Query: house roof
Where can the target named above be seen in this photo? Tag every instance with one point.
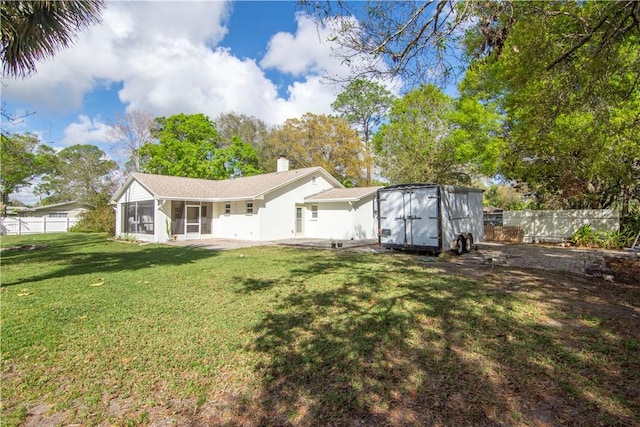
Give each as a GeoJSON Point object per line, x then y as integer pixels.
{"type": "Point", "coordinates": [59, 205]}
{"type": "Point", "coordinates": [244, 188]}
{"type": "Point", "coordinates": [342, 194]}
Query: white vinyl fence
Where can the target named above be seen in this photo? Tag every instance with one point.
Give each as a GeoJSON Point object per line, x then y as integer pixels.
{"type": "Point", "coordinates": [555, 226]}
{"type": "Point", "coordinates": [19, 226]}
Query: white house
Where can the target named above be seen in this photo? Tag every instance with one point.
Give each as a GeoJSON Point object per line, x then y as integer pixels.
{"type": "Point", "coordinates": [70, 209]}
{"type": "Point", "coordinates": [305, 202]}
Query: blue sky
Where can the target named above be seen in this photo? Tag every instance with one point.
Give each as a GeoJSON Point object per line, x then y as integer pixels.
{"type": "Point", "coordinates": [261, 58]}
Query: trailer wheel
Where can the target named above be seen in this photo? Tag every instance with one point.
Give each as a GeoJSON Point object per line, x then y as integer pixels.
{"type": "Point", "coordinates": [460, 245]}
{"type": "Point", "coordinates": [469, 243]}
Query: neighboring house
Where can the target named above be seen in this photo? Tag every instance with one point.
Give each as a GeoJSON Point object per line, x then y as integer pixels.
{"type": "Point", "coordinates": [56, 218]}
{"type": "Point", "coordinates": [305, 202]}
{"type": "Point", "coordinates": [59, 210]}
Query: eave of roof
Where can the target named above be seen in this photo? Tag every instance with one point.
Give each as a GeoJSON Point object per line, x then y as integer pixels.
{"type": "Point", "coordinates": [56, 205]}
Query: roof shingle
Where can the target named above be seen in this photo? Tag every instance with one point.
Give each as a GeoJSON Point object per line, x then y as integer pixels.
{"type": "Point", "coordinates": [174, 187]}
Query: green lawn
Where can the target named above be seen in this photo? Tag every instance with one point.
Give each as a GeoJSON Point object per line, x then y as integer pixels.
{"type": "Point", "coordinates": [98, 332]}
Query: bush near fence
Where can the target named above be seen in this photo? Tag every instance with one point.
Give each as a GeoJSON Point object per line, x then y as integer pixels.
{"type": "Point", "coordinates": [499, 233]}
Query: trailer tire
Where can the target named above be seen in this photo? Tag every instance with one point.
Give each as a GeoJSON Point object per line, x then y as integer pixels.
{"type": "Point", "coordinates": [461, 243]}
{"type": "Point", "coordinates": [468, 247]}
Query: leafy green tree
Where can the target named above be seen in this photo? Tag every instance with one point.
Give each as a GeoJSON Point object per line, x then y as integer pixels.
{"type": "Point", "coordinates": [186, 146]}
{"type": "Point", "coordinates": [432, 138]}
{"type": "Point", "coordinates": [235, 160]}
{"type": "Point", "coordinates": [364, 104]}
{"type": "Point", "coordinates": [319, 140]}
{"type": "Point", "coordinates": [504, 196]}
{"type": "Point", "coordinates": [250, 130]}
{"type": "Point", "coordinates": [412, 146]}
{"type": "Point", "coordinates": [35, 29]}
{"type": "Point", "coordinates": [190, 145]}
{"type": "Point", "coordinates": [22, 158]}
{"type": "Point", "coordinates": [565, 82]}
{"type": "Point", "coordinates": [82, 173]}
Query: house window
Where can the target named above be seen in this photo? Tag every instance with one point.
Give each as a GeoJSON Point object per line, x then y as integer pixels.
{"type": "Point", "coordinates": [227, 208]}
{"type": "Point", "coordinates": [314, 211]}
{"type": "Point", "coordinates": [57, 215]}
{"type": "Point", "coordinates": [138, 217]}
{"type": "Point", "coordinates": [249, 207]}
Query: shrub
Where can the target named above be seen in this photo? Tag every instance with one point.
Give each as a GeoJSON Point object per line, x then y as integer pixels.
{"type": "Point", "coordinates": [586, 236]}
{"type": "Point", "coordinates": [101, 219]}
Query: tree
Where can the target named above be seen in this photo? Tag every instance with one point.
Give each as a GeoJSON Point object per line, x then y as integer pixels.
{"type": "Point", "coordinates": [190, 145]}
{"type": "Point", "coordinates": [566, 83]}
{"type": "Point", "coordinates": [409, 39]}
{"type": "Point", "coordinates": [431, 137]}
{"type": "Point", "coordinates": [364, 104]}
{"type": "Point", "coordinates": [235, 160]}
{"type": "Point", "coordinates": [130, 132]}
{"type": "Point", "coordinates": [412, 146]}
{"type": "Point", "coordinates": [250, 130]}
{"type": "Point", "coordinates": [22, 158]}
{"type": "Point", "coordinates": [419, 41]}
{"type": "Point", "coordinates": [319, 140]}
{"type": "Point", "coordinates": [503, 196]}
{"type": "Point", "coordinates": [36, 29]}
{"type": "Point", "coordinates": [82, 173]}
{"type": "Point", "coordinates": [186, 147]}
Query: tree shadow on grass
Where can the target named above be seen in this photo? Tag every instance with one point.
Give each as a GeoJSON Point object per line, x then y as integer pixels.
{"type": "Point", "coordinates": [411, 345]}
{"type": "Point", "coordinates": [90, 254]}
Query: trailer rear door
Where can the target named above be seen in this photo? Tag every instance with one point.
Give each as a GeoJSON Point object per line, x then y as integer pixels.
{"type": "Point", "coordinates": [409, 217]}
{"type": "Point", "coordinates": [392, 217]}
{"type": "Point", "coordinates": [421, 205]}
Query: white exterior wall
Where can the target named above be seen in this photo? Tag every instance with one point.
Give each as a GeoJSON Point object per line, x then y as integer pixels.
{"type": "Point", "coordinates": [71, 213]}
{"type": "Point", "coordinates": [238, 224]}
{"type": "Point", "coordinates": [278, 216]}
{"type": "Point", "coordinates": [554, 226]}
{"type": "Point", "coordinates": [342, 220]}
{"type": "Point", "coordinates": [135, 193]}
{"type": "Point", "coordinates": [335, 221]}
{"type": "Point", "coordinates": [365, 222]}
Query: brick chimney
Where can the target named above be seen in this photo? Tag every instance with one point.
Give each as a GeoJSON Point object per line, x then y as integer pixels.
{"type": "Point", "coordinates": [283, 164]}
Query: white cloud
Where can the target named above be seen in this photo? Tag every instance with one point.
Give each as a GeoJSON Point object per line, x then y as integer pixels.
{"type": "Point", "coordinates": [167, 60]}
{"type": "Point", "coordinates": [306, 52]}
{"type": "Point", "coordinates": [86, 131]}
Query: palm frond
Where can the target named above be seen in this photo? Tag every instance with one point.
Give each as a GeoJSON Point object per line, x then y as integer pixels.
{"type": "Point", "coordinates": [36, 29]}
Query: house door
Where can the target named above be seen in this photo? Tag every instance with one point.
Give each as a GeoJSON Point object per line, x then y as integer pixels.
{"type": "Point", "coordinates": [299, 221]}
{"type": "Point", "coordinates": [192, 225]}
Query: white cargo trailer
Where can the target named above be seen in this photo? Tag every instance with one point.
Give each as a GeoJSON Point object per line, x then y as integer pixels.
{"type": "Point", "coordinates": [430, 217]}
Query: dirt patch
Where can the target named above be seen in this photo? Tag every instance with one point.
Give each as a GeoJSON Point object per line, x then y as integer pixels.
{"type": "Point", "coordinates": [625, 270]}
